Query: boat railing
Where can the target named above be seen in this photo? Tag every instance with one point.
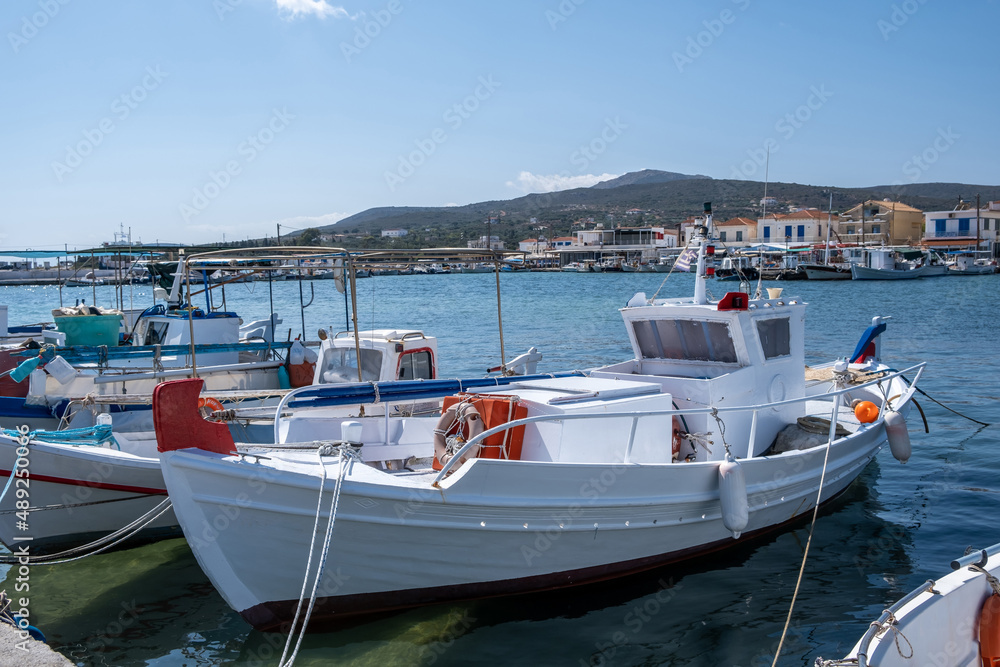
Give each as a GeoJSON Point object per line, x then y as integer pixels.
{"type": "Point", "coordinates": [888, 616]}
{"type": "Point", "coordinates": [635, 416]}
{"type": "Point", "coordinates": [978, 557]}
{"type": "Point", "coordinates": [83, 354]}
{"type": "Point", "coordinates": [391, 392]}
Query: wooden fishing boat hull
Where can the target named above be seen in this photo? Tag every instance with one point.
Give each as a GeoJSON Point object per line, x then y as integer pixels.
{"type": "Point", "coordinates": [865, 273]}
{"type": "Point", "coordinates": [826, 272]}
{"type": "Point", "coordinates": [76, 493]}
{"type": "Point", "coordinates": [495, 527]}
{"type": "Point", "coordinates": [977, 270]}
{"type": "Point", "coordinates": [940, 622]}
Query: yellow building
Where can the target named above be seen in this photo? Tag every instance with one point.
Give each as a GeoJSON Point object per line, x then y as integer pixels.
{"type": "Point", "coordinates": [888, 222]}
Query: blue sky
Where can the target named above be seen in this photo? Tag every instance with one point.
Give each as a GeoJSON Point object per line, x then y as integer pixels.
{"type": "Point", "coordinates": [189, 121]}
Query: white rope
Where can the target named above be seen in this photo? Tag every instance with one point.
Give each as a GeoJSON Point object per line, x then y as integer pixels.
{"type": "Point", "coordinates": [346, 454]}
{"type": "Point", "coordinates": [106, 542]}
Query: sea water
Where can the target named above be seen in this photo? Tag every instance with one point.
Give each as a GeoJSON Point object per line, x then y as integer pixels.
{"type": "Point", "coordinates": [894, 528]}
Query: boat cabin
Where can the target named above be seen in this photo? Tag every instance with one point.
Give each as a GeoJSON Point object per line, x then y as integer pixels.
{"type": "Point", "coordinates": [731, 352]}
{"type": "Point", "coordinates": [386, 354]}
{"type": "Point", "coordinates": [174, 327]}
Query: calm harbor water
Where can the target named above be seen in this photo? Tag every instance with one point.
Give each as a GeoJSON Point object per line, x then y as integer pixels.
{"type": "Point", "coordinates": [897, 526]}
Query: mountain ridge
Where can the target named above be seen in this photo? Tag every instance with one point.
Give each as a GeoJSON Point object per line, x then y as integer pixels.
{"type": "Point", "coordinates": [646, 197]}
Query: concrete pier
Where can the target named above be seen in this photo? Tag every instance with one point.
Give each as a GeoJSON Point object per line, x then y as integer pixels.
{"type": "Point", "coordinates": [12, 651]}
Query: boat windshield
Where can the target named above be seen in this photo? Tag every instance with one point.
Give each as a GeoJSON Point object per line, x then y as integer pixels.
{"type": "Point", "coordinates": [775, 337]}
{"type": "Point", "coordinates": [691, 340]}
{"type": "Point", "coordinates": [340, 365]}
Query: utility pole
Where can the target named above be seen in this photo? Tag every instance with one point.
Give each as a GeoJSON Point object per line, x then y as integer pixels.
{"type": "Point", "coordinates": [977, 223]}
{"type": "Point", "coordinates": [279, 232]}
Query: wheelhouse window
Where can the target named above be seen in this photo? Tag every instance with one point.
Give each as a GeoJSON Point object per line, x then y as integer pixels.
{"type": "Point", "coordinates": [416, 365]}
{"type": "Point", "coordinates": [340, 364]}
{"type": "Point", "coordinates": [691, 340]}
{"type": "Point", "coordinates": [774, 337]}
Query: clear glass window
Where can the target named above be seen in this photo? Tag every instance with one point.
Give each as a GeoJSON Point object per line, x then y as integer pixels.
{"type": "Point", "coordinates": [775, 337]}
{"type": "Point", "coordinates": [690, 340]}
{"type": "Point", "coordinates": [340, 365]}
{"type": "Point", "coordinates": [416, 366]}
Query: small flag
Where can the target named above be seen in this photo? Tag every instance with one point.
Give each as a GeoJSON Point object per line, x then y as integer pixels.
{"type": "Point", "coordinates": [684, 260]}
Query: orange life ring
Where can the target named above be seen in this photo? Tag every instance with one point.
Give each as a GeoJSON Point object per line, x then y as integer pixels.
{"type": "Point", "coordinates": [209, 404]}
{"type": "Point", "coordinates": [458, 424]}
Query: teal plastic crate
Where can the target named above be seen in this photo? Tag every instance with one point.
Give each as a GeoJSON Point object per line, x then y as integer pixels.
{"type": "Point", "coordinates": [90, 329]}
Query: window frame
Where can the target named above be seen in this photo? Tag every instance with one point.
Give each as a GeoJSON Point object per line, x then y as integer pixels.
{"type": "Point", "coordinates": [649, 334]}
{"type": "Point", "coordinates": [420, 350]}
{"type": "Point", "coordinates": [760, 339]}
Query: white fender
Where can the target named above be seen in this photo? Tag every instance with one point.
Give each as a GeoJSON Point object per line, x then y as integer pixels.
{"type": "Point", "coordinates": [899, 437]}
{"type": "Point", "coordinates": [733, 495]}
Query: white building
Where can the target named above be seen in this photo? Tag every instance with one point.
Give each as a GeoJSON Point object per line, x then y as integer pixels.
{"type": "Point", "coordinates": [538, 245]}
{"type": "Point", "coordinates": [394, 233]}
{"type": "Point", "coordinates": [960, 227]}
{"type": "Point", "coordinates": [490, 242]}
{"type": "Point", "coordinates": [736, 232]}
{"type": "Point", "coordinates": [805, 226]}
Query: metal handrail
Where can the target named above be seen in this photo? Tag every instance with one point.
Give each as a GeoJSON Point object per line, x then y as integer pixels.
{"type": "Point", "coordinates": [473, 442]}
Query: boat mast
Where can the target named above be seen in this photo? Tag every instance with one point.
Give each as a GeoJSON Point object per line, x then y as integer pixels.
{"type": "Point", "coordinates": [977, 223]}
{"type": "Point", "coordinates": [829, 224]}
{"type": "Point", "coordinates": [705, 233]}
{"type": "Point", "coordinates": [763, 216]}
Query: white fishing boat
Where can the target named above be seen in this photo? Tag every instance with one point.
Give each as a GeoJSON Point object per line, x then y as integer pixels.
{"type": "Point", "coordinates": [713, 432]}
{"type": "Point", "coordinates": [88, 482]}
{"type": "Point", "coordinates": [103, 474]}
{"type": "Point", "coordinates": [971, 263]}
{"type": "Point", "coordinates": [574, 267]}
{"type": "Point", "coordinates": [951, 622]}
{"type": "Point", "coordinates": [886, 264]}
{"type": "Point", "coordinates": [663, 264]}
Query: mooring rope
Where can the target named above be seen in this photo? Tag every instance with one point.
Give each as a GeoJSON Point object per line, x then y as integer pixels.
{"type": "Point", "coordinates": [805, 554]}
{"type": "Point", "coordinates": [346, 455]}
{"type": "Point", "coordinates": [101, 544]}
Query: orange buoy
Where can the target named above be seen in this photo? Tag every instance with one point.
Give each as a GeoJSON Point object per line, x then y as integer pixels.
{"type": "Point", "coordinates": [866, 412]}
{"type": "Point", "coordinates": [989, 631]}
{"type": "Point", "coordinates": [210, 404]}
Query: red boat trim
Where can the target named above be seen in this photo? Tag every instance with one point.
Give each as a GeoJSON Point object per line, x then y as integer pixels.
{"type": "Point", "coordinates": [329, 612]}
{"type": "Point", "coordinates": [92, 485]}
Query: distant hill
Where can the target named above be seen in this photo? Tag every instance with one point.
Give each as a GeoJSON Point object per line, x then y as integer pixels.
{"type": "Point", "coordinates": [646, 197]}
{"type": "Point", "coordinates": [644, 177]}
